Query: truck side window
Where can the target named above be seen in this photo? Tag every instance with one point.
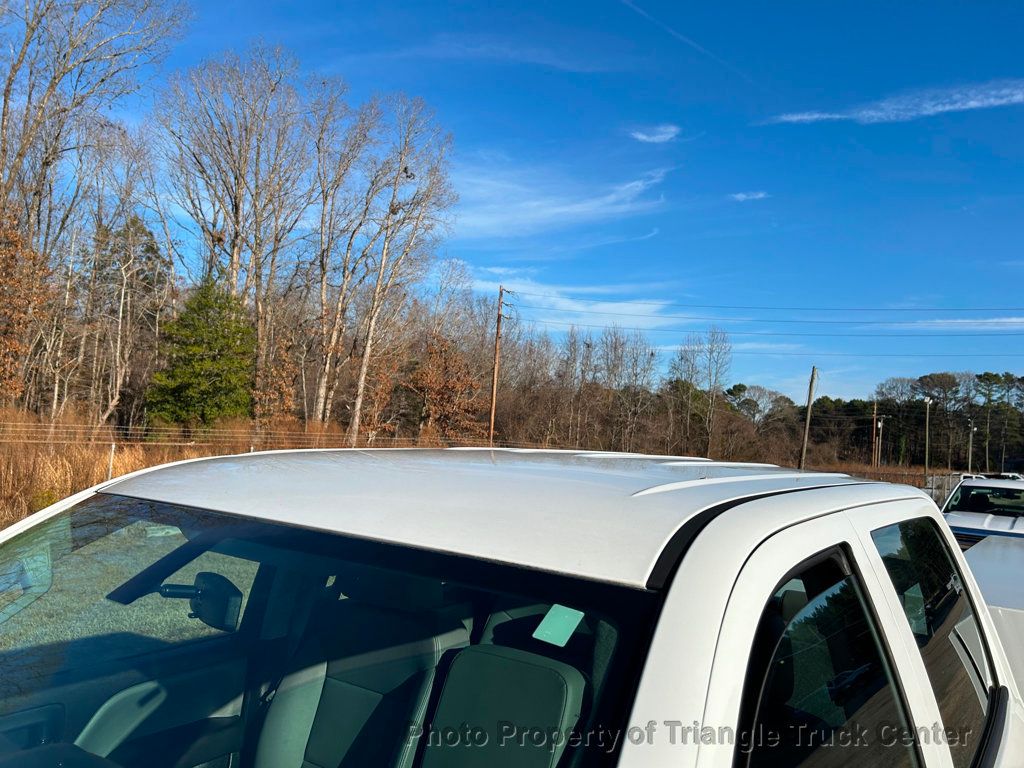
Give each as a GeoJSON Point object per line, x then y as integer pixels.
{"type": "Point", "coordinates": [818, 687]}
{"type": "Point", "coordinates": [942, 620]}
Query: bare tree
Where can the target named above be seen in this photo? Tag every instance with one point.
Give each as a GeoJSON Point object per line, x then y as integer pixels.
{"type": "Point", "coordinates": [626, 364]}
{"type": "Point", "coordinates": [343, 210]}
{"type": "Point", "coordinates": [415, 193]}
{"type": "Point", "coordinates": [575, 373]}
{"type": "Point", "coordinates": [715, 359]}
{"type": "Point", "coordinates": [237, 160]}
{"type": "Point", "coordinates": [685, 387]}
{"type": "Point", "coordinates": [66, 59]}
{"type": "Point", "coordinates": [132, 276]}
{"type": "Point", "coordinates": [225, 121]}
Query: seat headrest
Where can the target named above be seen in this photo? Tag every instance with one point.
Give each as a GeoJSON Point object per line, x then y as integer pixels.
{"type": "Point", "coordinates": [508, 693]}
{"type": "Point", "coordinates": [390, 589]}
{"type": "Point", "coordinates": [978, 501]}
{"type": "Point", "coordinates": [793, 601]}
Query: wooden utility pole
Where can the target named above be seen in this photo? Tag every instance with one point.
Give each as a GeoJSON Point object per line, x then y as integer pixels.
{"type": "Point", "coordinates": [497, 360]}
{"type": "Point", "coordinates": [807, 421]}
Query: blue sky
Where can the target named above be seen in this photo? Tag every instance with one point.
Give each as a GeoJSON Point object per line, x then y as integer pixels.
{"type": "Point", "coordinates": [648, 163]}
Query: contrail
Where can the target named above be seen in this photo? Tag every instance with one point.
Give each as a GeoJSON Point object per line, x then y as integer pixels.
{"type": "Point", "coordinates": [687, 41]}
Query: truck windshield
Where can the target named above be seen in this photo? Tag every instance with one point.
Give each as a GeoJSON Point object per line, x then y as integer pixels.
{"type": "Point", "coordinates": [132, 628]}
{"type": "Point", "coordinates": [988, 500]}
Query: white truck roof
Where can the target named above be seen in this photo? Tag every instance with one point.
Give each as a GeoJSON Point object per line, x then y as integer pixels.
{"type": "Point", "coordinates": [594, 515]}
{"type": "Point", "coordinates": [986, 482]}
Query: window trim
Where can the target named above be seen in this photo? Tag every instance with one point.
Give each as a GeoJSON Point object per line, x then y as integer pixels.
{"type": "Point", "coordinates": [672, 554]}
{"type": "Point", "coordinates": [995, 724]}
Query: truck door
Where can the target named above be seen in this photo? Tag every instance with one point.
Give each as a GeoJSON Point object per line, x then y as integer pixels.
{"type": "Point", "coordinates": [812, 668]}
{"type": "Point", "coordinates": [943, 623]}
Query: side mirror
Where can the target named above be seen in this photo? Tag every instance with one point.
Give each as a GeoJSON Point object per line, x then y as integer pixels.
{"type": "Point", "coordinates": [213, 599]}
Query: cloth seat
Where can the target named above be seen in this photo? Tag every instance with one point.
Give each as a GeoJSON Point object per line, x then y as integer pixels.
{"type": "Point", "coordinates": [363, 676]}
{"type": "Point", "coordinates": [524, 703]}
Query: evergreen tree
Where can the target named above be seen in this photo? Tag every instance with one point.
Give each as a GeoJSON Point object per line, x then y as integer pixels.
{"type": "Point", "coordinates": [210, 349]}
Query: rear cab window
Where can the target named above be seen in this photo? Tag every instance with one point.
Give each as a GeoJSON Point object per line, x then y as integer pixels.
{"type": "Point", "coordinates": [943, 622]}
{"type": "Point", "coordinates": [987, 500]}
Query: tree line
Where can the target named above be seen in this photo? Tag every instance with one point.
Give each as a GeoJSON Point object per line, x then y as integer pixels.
{"type": "Point", "coordinates": [259, 246]}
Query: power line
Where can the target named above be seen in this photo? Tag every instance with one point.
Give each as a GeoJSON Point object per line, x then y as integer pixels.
{"type": "Point", "coordinates": [787, 321]}
{"type": "Point", "coordinates": [779, 308]}
{"type": "Point", "coordinates": [937, 335]}
{"type": "Point", "coordinates": [791, 353]}
{"type": "Point", "coordinates": [869, 354]}
{"type": "Point", "coordinates": [567, 324]}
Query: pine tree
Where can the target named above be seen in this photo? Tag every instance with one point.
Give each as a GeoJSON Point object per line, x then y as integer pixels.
{"type": "Point", "coordinates": [210, 349]}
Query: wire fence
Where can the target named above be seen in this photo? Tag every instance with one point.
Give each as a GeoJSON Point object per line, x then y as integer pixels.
{"type": "Point", "coordinates": [938, 485]}
{"type": "Point", "coordinates": [252, 438]}
{"type": "Point", "coordinates": [247, 438]}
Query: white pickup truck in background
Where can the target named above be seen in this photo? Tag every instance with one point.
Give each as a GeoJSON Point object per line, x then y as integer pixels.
{"type": "Point", "coordinates": [986, 516]}
{"type": "Point", "coordinates": [980, 507]}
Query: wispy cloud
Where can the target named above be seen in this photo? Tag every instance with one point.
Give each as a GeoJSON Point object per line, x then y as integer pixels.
{"type": "Point", "coordinates": [914, 105]}
{"type": "Point", "coordinates": [842, 381]}
{"type": "Point", "coordinates": [685, 40]}
{"type": "Point", "coordinates": [963, 324]}
{"type": "Point", "coordinates": [498, 199]}
{"type": "Point", "coordinates": [742, 197]}
{"type": "Point", "coordinates": [658, 134]}
{"type": "Point", "coordinates": [760, 347]}
{"type": "Point", "coordinates": [574, 245]}
{"type": "Point", "coordinates": [765, 346]}
{"type": "Point", "coordinates": [500, 50]}
{"type": "Point", "coordinates": [547, 304]}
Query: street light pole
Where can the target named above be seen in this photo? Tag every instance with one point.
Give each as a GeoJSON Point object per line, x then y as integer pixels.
{"type": "Point", "coordinates": [881, 427]}
{"type": "Point", "coordinates": [970, 444]}
{"type": "Point", "coordinates": [927, 428]}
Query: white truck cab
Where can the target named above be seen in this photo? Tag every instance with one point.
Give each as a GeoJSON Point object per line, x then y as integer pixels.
{"type": "Point", "coordinates": [449, 608]}
{"type": "Point", "coordinates": [981, 507]}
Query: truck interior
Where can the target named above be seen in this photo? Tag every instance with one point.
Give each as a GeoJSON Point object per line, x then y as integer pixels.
{"type": "Point", "coordinates": [181, 638]}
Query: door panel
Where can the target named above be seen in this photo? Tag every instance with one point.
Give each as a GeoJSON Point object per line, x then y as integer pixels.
{"type": "Point", "coordinates": [164, 706]}
{"type": "Point", "coordinates": [177, 703]}
{"type": "Point", "coordinates": [767, 565]}
{"type": "Point", "coordinates": [1005, 727]}
{"type": "Point", "coordinates": [209, 743]}
{"type": "Point", "coordinates": [31, 727]}
{"type": "Point", "coordinates": [92, 656]}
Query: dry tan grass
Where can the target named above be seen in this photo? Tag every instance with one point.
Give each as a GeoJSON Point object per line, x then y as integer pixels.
{"type": "Point", "coordinates": [913, 475]}
{"type": "Point", "coordinates": [38, 469]}
{"type": "Point", "coordinates": [33, 476]}
{"type": "Point", "coordinates": [42, 463]}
